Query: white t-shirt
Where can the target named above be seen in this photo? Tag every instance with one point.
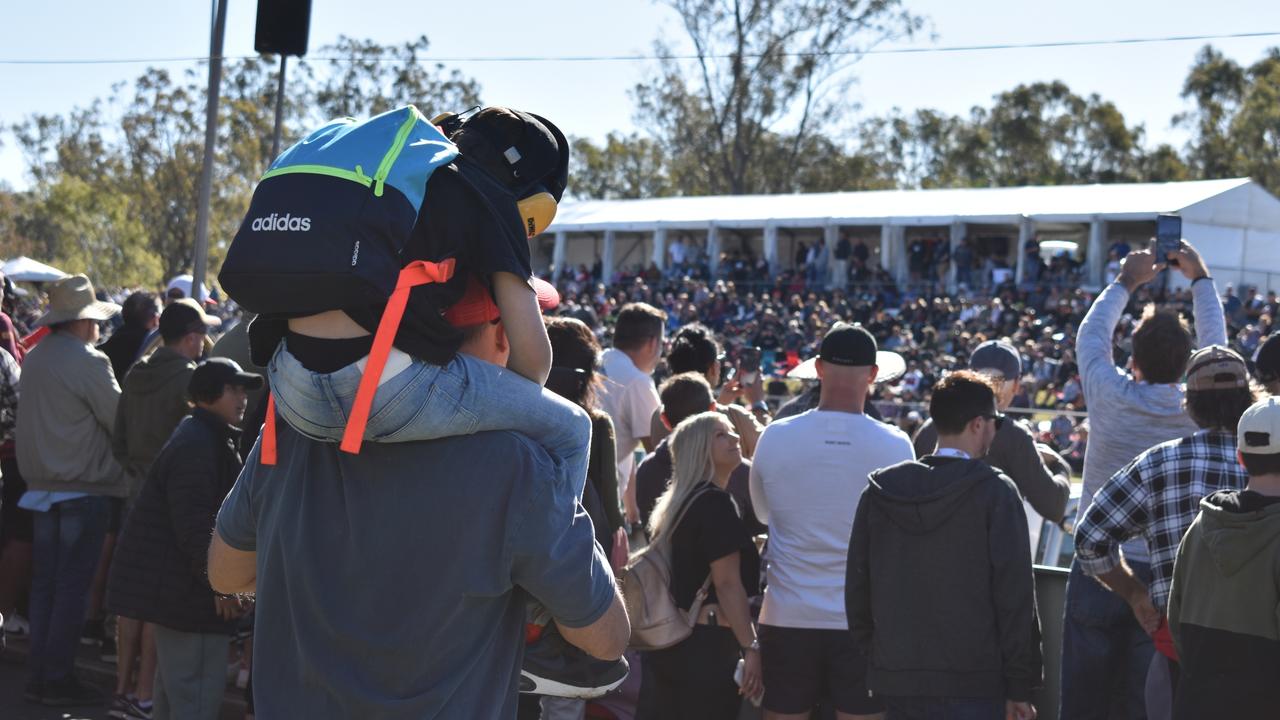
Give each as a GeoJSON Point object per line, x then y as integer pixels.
{"type": "Point", "coordinates": [630, 398]}
{"type": "Point", "coordinates": [807, 476]}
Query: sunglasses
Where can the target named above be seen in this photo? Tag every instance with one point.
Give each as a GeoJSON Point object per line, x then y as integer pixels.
{"type": "Point", "coordinates": [997, 418]}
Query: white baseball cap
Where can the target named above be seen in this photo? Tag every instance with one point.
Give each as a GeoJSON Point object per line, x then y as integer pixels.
{"type": "Point", "coordinates": [1259, 430]}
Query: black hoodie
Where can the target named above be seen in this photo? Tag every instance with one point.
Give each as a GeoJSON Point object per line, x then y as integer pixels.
{"type": "Point", "coordinates": [939, 589]}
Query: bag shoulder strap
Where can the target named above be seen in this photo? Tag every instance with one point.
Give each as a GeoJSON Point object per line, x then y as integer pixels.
{"type": "Point", "coordinates": [701, 595]}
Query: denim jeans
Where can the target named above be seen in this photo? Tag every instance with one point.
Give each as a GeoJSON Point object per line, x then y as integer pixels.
{"type": "Point", "coordinates": [1105, 652]}
{"type": "Point", "coordinates": [421, 401]}
{"type": "Point", "coordinates": [931, 708]}
{"type": "Point", "coordinates": [64, 555]}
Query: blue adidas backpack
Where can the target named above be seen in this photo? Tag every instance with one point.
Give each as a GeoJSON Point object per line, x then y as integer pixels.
{"type": "Point", "coordinates": [330, 218]}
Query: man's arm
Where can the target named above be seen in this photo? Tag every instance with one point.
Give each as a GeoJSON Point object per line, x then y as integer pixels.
{"type": "Point", "coordinates": [605, 638]}
{"type": "Point", "coordinates": [233, 552]}
{"type": "Point", "coordinates": [642, 401]}
{"type": "Point", "coordinates": [1014, 595]}
{"type": "Point", "coordinates": [231, 570]}
{"type": "Point", "coordinates": [100, 390]}
{"type": "Point", "coordinates": [1119, 513]}
{"type": "Point", "coordinates": [193, 501]}
{"type": "Point", "coordinates": [1098, 371]}
{"type": "Point", "coordinates": [555, 558]}
{"type": "Point", "coordinates": [1046, 491]}
{"type": "Point", "coordinates": [857, 578]}
{"type": "Point", "coordinates": [119, 436]}
{"type": "Point", "coordinates": [755, 487]}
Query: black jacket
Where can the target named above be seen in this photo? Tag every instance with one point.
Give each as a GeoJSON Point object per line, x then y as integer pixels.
{"type": "Point", "coordinates": [939, 587]}
{"type": "Point", "coordinates": [160, 571]}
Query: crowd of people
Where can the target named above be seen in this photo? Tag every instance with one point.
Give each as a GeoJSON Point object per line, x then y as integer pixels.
{"type": "Point", "coordinates": [808, 496]}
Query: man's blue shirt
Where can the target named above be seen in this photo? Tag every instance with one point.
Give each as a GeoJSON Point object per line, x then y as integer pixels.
{"type": "Point", "coordinates": [393, 583]}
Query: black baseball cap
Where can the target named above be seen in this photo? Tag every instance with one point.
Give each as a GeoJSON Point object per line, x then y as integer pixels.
{"type": "Point", "coordinates": [185, 316]}
{"type": "Point", "coordinates": [849, 345]}
{"type": "Point", "coordinates": [212, 375]}
{"type": "Point", "coordinates": [1266, 361]}
{"type": "Point", "coordinates": [997, 356]}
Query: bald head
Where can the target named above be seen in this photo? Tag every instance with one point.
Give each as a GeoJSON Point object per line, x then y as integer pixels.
{"type": "Point", "coordinates": [844, 387]}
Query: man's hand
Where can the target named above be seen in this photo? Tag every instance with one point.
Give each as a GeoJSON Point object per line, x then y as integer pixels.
{"type": "Point", "coordinates": [729, 392]}
{"type": "Point", "coordinates": [1189, 262]}
{"type": "Point", "coordinates": [1144, 611]}
{"type": "Point", "coordinates": [752, 675]}
{"type": "Point", "coordinates": [1138, 268]}
{"type": "Point", "coordinates": [1019, 710]}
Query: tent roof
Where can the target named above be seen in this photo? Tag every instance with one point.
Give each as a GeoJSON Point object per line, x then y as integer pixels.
{"type": "Point", "coordinates": [1067, 203]}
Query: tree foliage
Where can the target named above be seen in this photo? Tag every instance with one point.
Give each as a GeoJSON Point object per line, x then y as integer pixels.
{"type": "Point", "coordinates": [114, 183]}
{"type": "Point", "coordinates": [766, 79]}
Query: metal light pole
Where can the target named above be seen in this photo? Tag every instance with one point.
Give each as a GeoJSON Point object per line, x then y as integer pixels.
{"type": "Point", "coordinates": [210, 142]}
{"type": "Point", "coordinates": [275, 135]}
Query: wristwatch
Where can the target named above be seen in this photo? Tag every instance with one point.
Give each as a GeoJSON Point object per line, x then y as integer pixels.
{"type": "Point", "coordinates": [755, 645]}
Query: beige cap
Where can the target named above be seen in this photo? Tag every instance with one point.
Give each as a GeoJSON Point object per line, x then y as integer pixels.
{"type": "Point", "coordinates": [1259, 430]}
{"type": "Point", "coordinates": [72, 298]}
{"type": "Point", "coordinates": [1216, 368]}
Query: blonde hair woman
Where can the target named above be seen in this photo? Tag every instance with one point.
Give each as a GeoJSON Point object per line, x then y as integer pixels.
{"type": "Point", "coordinates": [709, 545]}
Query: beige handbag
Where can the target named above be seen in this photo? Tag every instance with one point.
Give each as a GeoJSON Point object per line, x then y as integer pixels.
{"type": "Point", "coordinates": [656, 621]}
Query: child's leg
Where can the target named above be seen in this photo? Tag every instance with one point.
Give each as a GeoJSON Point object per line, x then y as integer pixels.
{"type": "Point", "coordinates": [423, 402]}
{"type": "Point", "coordinates": [415, 400]}
{"type": "Point", "coordinates": [503, 400]}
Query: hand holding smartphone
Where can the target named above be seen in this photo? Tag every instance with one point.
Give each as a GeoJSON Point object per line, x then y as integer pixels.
{"type": "Point", "coordinates": [1168, 237]}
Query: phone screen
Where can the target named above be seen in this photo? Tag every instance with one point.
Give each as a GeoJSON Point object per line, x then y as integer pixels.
{"type": "Point", "coordinates": [749, 361]}
{"type": "Point", "coordinates": [1168, 235]}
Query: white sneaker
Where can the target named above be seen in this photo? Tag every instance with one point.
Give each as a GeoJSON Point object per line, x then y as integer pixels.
{"type": "Point", "coordinates": [15, 624]}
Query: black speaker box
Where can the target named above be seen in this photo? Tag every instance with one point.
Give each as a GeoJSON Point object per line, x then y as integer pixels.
{"type": "Point", "coordinates": [283, 26]}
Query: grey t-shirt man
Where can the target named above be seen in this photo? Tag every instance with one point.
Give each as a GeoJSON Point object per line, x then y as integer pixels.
{"type": "Point", "coordinates": [393, 583]}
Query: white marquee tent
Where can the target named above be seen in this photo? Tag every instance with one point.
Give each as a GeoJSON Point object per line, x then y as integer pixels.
{"type": "Point", "coordinates": [1235, 223]}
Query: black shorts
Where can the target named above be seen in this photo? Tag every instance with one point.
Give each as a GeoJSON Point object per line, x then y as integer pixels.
{"type": "Point", "coordinates": [15, 523]}
{"type": "Point", "coordinates": [805, 667]}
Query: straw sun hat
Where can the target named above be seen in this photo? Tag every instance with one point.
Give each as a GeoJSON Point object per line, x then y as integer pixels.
{"type": "Point", "coordinates": [72, 298]}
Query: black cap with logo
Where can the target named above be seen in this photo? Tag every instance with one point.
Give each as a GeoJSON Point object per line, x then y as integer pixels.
{"type": "Point", "coordinates": [214, 374]}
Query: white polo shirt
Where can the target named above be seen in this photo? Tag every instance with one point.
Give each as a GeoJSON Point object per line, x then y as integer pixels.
{"type": "Point", "coordinates": [807, 476]}
{"type": "Point", "coordinates": [630, 398]}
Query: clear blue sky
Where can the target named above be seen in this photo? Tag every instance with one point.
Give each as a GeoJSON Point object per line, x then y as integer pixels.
{"type": "Point", "coordinates": [592, 99]}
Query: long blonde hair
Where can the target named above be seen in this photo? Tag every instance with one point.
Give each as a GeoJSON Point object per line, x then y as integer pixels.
{"type": "Point", "coordinates": [691, 465]}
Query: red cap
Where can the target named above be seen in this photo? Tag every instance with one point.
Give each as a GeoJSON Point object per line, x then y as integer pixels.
{"type": "Point", "coordinates": [477, 306]}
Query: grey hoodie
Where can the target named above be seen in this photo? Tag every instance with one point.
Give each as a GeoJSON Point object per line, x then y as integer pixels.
{"type": "Point", "coordinates": [938, 587]}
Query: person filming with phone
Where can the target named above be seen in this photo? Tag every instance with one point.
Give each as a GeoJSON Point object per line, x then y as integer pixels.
{"type": "Point", "coordinates": [1106, 653]}
{"type": "Point", "coordinates": [694, 349]}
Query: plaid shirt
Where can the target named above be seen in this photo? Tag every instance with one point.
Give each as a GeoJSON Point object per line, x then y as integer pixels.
{"type": "Point", "coordinates": [1156, 497]}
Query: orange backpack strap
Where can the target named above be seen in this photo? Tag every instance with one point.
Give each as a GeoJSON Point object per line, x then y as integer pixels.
{"type": "Point", "coordinates": [414, 274]}
{"type": "Point", "coordinates": [267, 453]}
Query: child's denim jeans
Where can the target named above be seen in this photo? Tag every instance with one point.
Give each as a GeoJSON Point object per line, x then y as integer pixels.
{"type": "Point", "coordinates": [421, 401]}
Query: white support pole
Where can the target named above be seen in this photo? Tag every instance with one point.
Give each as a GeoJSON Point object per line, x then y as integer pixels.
{"type": "Point", "coordinates": [1024, 235]}
{"type": "Point", "coordinates": [771, 247]}
{"type": "Point", "coordinates": [831, 236]}
{"type": "Point", "coordinates": [713, 249]}
{"type": "Point", "coordinates": [558, 254]}
{"type": "Point", "coordinates": [958, 230]}
{"type": "Point", "coordinates": [606, 260]}
{"type": "Point", "coordinates": [660, 248]}
{"type": "Point", "coordinates": [1096, 254]}
{"type": "Point", "coordinates": [886, 248]}
{"type": "Point", "coordinates": [901, 271]}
